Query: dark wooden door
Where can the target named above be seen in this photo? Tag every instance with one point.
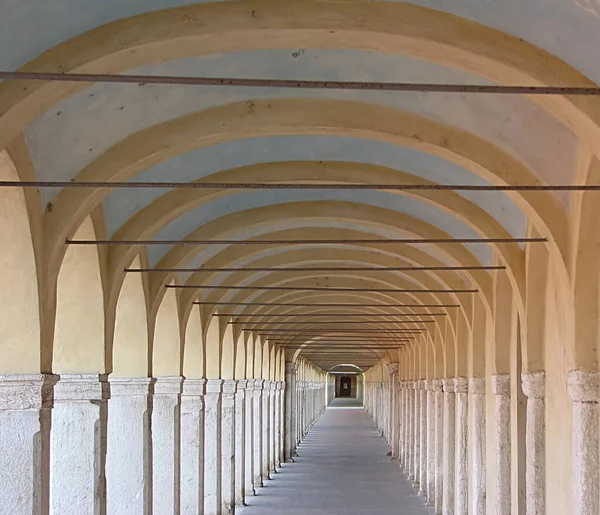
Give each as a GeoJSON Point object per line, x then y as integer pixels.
{"type": "Point", "coordinates": [345, 386]}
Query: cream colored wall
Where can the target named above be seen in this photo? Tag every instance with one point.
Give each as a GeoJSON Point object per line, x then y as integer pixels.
{"type": "Point", "coordinates": [19, 312]}
{"type": "Point", "coordinates": [166, 347]}
{"type": "Point", "coordinates": [194, 351]}
{"type": "Point", "coordinates": [79, 323]}
{"type": "Point", "coordinates": [130, 341]}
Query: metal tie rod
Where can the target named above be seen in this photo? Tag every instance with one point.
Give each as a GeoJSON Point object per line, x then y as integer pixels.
{"type": "Point", "coordinates": [298, 84]}
{"type": "Point", "coordinates": [316, 288]}
{"type": "Point", "coordinates": [321, 315]}
{"type": "Point", "coordinates": [386, 241]}
{"type": "Point", "coordinates": [294, 186]}
{"type": "Point", "coordinates": [319, 269]}
{"type": "Point", "coordinates": [324, 305]}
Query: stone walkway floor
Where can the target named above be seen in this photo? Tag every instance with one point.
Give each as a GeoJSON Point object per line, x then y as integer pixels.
{"type": "Point", "coordinates": [342, 468]}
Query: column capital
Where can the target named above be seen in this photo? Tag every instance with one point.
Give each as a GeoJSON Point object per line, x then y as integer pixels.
{"type": "Point", "coordinates": [193, 387]}
{"type": "Point", "coordinates": [129, 386]}
{"type": "Point", "coordinates": [392, 368]}
{"type": "Point", "coordinates": [167, 385]}
{"type": "Point", "coordinates": [461, 385]}
{"type": "Point", "coordinates": [501, 384]}
{"type": "Point", "coordinates": [583, 385]}
{"type": "Point", "coordinates": [534, 384]}
{"type": "Point", "coordinates": [259, 384]}
{"type": "Point", "coordinates": [214, 386]}
{"type": "Point", "coordinates": [437, 385]}
{"type": "Point", "coordinates": [229, 386]}
{"type": "Point", "coordinates": [81, 387]}
{"type": "Point", "coordinates": [242, 384]}
{"type": "Point", "coordinates": [291, 367]}
{"type": "Point", "coordinates": [448, 385]}
{"type": "Point", "coordinates": [477, 385]}
{"type": "Point", "coordinates": [23, 392]}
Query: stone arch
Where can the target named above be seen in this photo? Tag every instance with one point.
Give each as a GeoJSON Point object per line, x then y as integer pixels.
{"type": "Point", "coordinates": [20, 314]}
{"type": "Point", "coordinates": [79, 324]}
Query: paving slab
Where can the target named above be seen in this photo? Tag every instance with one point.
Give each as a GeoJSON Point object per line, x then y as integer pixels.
{"type": "Point", "coordinates": [342, 468]}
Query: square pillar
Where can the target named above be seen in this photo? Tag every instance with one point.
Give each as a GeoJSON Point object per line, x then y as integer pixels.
{"type": "Point", "coordinates": [212, 447]}
{"type": "Point", "coordinates": [191, 488]}
{"type": "Point", "coordinates": [257, 437]}
{"type": "Point", "coordinates": [25, 402]}
{"type": "Point", "coordinates": [228, 447]}
{"type": "Point", "coordinates": [240, 442]}
{"type": "Point", "coordinates": [77, 441]}
{"type": "Point", "coordinates": [249, 439]}
{"type": "Point", "coordinates": [128, 442]}
{"type": "Point", "coordinates": [165, 445]}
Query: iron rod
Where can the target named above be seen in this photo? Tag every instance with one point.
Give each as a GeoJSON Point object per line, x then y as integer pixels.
{"type": "Point", "coordinates": [313, 288]}
{"type": "Point", "coordinates": [294, 186]}
{"type": "Point", "coordinates": [294, 315]}
{"type": "Point", "coordinates": [387, 241]}
{"type": "Point", "coordinates": [330, 322]}
{"type": "Point", "coordinates": [298, 84]}
{"type": "Point", "coordinates": [317, 269]}
{"type": "Point", "coordinates": [327, 305]}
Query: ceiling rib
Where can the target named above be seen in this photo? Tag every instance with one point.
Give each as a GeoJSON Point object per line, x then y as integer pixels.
{"type": "Point", "coordinates": [298, 84]}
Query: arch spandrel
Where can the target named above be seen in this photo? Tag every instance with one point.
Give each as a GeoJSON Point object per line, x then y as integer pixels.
{"type": "Point", "coordinates": [20, 328]}
{"type": "Point", "coordinates": [79, 337]}
{"type": "Point", "coordinates": [166, 340]}
{"type": "Point", "coordinates": [194, 352]}
{"type": "Point", "coordinates": [130, 340]}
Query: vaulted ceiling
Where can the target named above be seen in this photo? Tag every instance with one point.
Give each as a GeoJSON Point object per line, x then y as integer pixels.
{"type": "Point", "coordinates": [153, 132]}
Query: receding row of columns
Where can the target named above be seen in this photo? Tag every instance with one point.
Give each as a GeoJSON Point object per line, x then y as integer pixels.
{"type": "Point", "coordinates": [436, 429]}
{"type": "Point", "coordinates": [88, 444]}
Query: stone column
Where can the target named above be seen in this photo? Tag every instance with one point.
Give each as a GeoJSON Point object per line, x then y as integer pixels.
{"type": "Point", "coordinates": [534, 384]}
{"type": "Point", "coordinates": [266, 430]}
{"type": "Point", "coordinates": [273, 427]}
{"type": "Point", "coordinates": [401, 425]}
{"type": "Point", "coordinates": [240, 442]}
{"type": "Point", "coordinates": [478, 487]}
{"type": "Point", "coordinates": [277, 431]}
{"type": "Point", "coordinates": [583, 389]}
{"type": "Point", "coordinates": [410, 462]}
{"type": "Point", "coordinates": [431, 449]}
{"type": "Point", "coordinates": [25, 402]}
{"type": "Point", "coordinates": [393, 427]}
{"type": "Point", "coordinates": [212, 447]}
{"type": "Point", "coordinates": [228, 447]}
{"type": "Point", "coordinates": [449, 447]}
{"type": "Point", "coordinates": [282, 422]}
{"type": "Point", "coordinates": [417, 433]}
{"type": "Point", "coordinates": [501, 391]}
{"type": "Point", "coordinates": [191, 490]}
{"type": "Point", "coordinates": [77, 484]}
{"type": "Point", "coordinates": [249, 439]}
{"type": "Point", "coordinates": [439, 445]}
{"type": "Point", "coordinates": [257, 433]}
{"type": "Point", "coordinates": [128, 441]}
{"type": "Point", "coordinates": [290, 409]}
{"type": "Point", "coordinates": [423, 444]}
{"type": "Point", "coordinates": [461, 488]}
{"type": "Point", "coordinates": [165, 445]}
